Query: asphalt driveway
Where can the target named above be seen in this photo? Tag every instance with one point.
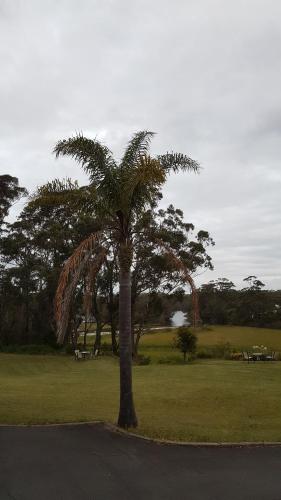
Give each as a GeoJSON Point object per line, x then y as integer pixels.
{"type": "Point", "coordinates": [90, 462]}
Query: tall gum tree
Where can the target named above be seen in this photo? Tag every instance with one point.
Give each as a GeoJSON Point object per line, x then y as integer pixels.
{"type": "Point", "coordinates": [119, 193]}
{"type": "Point", "coordinates": [10, 191]}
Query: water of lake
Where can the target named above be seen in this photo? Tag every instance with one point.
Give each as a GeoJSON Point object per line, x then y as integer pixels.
{"type": "Point", "coordinates": [179, 318]}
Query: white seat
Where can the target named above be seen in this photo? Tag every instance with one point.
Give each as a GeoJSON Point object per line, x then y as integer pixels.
{"type": "Point", "coordinates": [247, 356]}
{"type": "Point", "coordinates": [78, 354]}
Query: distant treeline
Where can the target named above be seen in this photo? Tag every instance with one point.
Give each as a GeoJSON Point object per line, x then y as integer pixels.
{"type": "Point", "coordinates": [254, 305]}
{"type": "Point", "coordinates": [27, 317]}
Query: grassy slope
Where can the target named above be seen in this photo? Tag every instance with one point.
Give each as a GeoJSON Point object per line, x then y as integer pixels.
{"type": "Point", "coordinates": [203, 401]}
{"type": "Point", "coordinates": [160, 344]}
{"type": "Point", "coordinates": [235, 335]}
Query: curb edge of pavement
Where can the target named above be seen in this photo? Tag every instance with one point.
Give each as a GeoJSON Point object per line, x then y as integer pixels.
{"type": "Point", "coordinates": [114, 428]}
{"type": "Point", "coordinates": [195, 444]}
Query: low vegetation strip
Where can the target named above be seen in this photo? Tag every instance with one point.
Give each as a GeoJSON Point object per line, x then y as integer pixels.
{"type": "Point", "coordinates": [206, 400]}
{"type": "Point", "coordinates": [217, 342]}
{"type": "Point", "coordinates": [213, 335]}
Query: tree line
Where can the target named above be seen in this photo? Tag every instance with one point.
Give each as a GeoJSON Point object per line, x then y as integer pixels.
{"type": "Point", "coordinates": [253, 305]}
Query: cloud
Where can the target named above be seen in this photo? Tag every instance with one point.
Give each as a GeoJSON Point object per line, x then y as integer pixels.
{"type": "Point", "coordinates": [205, 76]}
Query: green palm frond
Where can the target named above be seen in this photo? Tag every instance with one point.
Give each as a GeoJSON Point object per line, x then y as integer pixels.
{"type": "Point", "coordinates": [54, 192]}
{"type": "Point", "coordinates": [137, 148]}
{"type": "Point", "coordinates": [58, 186]}
{"type": "Point", "coordinates": [63, 192]}
{"type": "Point", "coordinates": [95, 158]}
{"type": "Point", "coordinates": [178, 162]}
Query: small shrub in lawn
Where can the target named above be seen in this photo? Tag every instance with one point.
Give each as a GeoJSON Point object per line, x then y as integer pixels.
{"type": "Point", "coordinates": [143, 360]}
{"type": "Point", "coordinates": [204, 353]}
{"type": "Point", "coordinates": [236, 356]}
{"type": "Point", "coordinates": [223, 351]}
{"type": "Point", "coordinates": [106, 349]}
{"type": "Point", "coordinates": [185, 341]}
{"type": "Point", "coordinates": [219, 351]}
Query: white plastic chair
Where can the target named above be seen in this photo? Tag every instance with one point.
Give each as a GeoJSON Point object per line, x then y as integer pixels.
{"type": "Point", "coordinates": [78, 355]}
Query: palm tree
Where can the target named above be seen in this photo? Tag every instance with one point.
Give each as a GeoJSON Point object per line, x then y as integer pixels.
{"type": "Point", "coordinates": [117, 193]}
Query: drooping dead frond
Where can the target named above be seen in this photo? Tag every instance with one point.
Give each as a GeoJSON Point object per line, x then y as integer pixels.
{"type": "Point", "coordinates": [87, 298]}
{"type": "Point", "coordinates": [179, 265]}
{"type": "Point", "coordinates": [92, 269]}
{"type": "Point", "coordinates": [89, 249]}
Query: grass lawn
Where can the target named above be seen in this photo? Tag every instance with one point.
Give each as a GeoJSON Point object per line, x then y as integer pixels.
{"type": "Point", "coordinates": [235, 335]}
{"type": "Point", "coordinates": [203, 401]}
{"type": "Point", "coordinates": [159, 344]}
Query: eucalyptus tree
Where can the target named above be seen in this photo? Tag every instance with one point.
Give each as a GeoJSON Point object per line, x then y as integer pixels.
{"type": "Point", "coordinates": [33, 249]}
{"type": "Point", "coordinates": [153, 270]}
{"type": "Point", "coordinates": [120, 193]}
{"type": "Point", "coordinates": [10, 191]}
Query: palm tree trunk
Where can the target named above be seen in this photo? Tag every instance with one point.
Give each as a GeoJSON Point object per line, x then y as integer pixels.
{"type": "Point", "coordinates": [127, 416]}
{"type": "Point", "coordinates": [114, 344]}
{"type": "Point", "coordinates": [112, 319]}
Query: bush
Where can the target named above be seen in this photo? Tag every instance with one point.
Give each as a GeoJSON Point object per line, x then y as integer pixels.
{"type": "Point", "coordinates": [219, 351]}
{"type": "Point", "coordinates": [185, 341]}
{"type": "Point", "coordinates": [236, 356]}
{"type": "Point", "coordinates": [143, 360]}
{"type": "Point", "coordinates": [29, 349]}
{"type": "Point", "coordinates": [68, 349]}
{"type": "Point", "coordinates": [204, 353]}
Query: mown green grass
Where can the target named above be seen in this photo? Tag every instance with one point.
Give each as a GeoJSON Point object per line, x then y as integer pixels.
{"type": "Point", "coordinates": [213, 335]}
{"type": "Point", "coordinates": [235, 335]}
{"type": "Point", "coordinates": [158, 345]}
{"type": "Point", "coordinates": [201, 401]}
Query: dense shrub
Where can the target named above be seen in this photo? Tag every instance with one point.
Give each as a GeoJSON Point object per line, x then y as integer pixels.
{"type": "Point", "coordinates": [219, 351]}
{"type": "Point", "coordinates": [143, 360]}
{"type": "Point", "coordinates": [237, 356]}
{"type": "Point", "coordinates": [68, 349]}
{"type": "Point", "coordinates": [29, 349]}
{"type": "Point", "coordinates": [185, 341]}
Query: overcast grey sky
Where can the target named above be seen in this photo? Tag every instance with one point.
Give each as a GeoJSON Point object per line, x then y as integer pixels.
{"type": "Point", "coordinates": [204, 74]}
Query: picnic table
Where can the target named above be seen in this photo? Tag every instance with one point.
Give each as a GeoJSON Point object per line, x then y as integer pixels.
{"type": "Point", "coordinates": [85, 354]}
{"type": "Point", "coordinates": [258, 356]}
